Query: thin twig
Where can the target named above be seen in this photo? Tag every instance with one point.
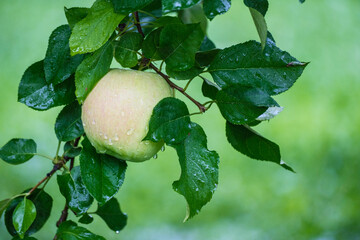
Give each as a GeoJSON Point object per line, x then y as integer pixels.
{"type": "Point", "coordinates": [137, 23]}
{"type": "Point", "coordinates": [48, 175]}
{"type": "Point", "coordinates": [201, 107]}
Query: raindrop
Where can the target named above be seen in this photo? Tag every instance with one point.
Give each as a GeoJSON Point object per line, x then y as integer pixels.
{"type": "Point", "coordinates": [146, 142]}
{"type": "Point", "coordinates": [105, 136]}
{"type": "Point", "coordinates": [122, 114]}
{"type": "Point", "coordinates": [93, 122]}
{"type": "Point", "coordinates": [84, 124]}
{"type": "Point", "coordinates": [130, 131]}
{"type": "Point", "coordinates": [163, 148]}
{"type": "Point", "coordinates": [100, 134]}
{"type": "Point", "coordinates": [155, 156]}
{"type": "Point", "coordinates": [110, 142]}
{"type": "Point", "coordinates": [197, 189]}
{"type": "Point", "coordinates": [117, 232]}
{"type": "Point", "coordinates": [116, 138]}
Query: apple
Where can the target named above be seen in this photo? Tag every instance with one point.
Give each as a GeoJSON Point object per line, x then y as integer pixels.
{"type": "Point", "coordinates": [117, 111]}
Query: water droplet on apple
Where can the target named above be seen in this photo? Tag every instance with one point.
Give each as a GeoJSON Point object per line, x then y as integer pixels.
{"type": "Point", "coordinates": [100, 133]}
{"type": "Point", "coordinates": [163, 148]}
{"type": "Point", "coordinates": [110, 142]}
{"type": "Point", "coordinates": [146, 143]}
{"type": "Point", "coordinates": [93, 122]}
{"type": "Point", "coordinates": [130, 131]}
{"type": "Point", "coordinates": [116, 138]}
{"type": "Point", "coordinates": [122, 114]}
{"type": "Point", "coordinates": [84, 124]}
{"type": "Point", "coordinates": [105, 136]}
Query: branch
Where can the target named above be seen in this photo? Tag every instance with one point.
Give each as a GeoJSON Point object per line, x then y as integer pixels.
{"type": "Point", "coordinates": [201, 107]}
{"type": "Point", "coordinates": [64, 212]}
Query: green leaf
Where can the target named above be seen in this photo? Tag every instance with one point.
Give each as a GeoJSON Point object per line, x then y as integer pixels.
{"type": "Point", "coordinates": [204, 58]}
{"type": "Point", "coordinates": [209, 89]}
{"type": "Point", "coordinates": [86, 219]}
{"type": "Point", "coordinates": [68, 125]}
{"type": "Point", "coordinates": [58, 64]}
{"type": "Point", "coordinates": [207, 44]}
{"type": "Point", "coordinates": [126, 49]}
{"type": "Point", "coordinates": [70, 151]}
{"type": "Point", "coordinates": [212, 8]}
{"type": "Point", "coordinates": [36, 93]}
{"type": "Point", "coordinates": [199, 171]}
{"type": "Point", "coordinates": [71, 231]}
{"type": "Point", "coordinates": [175, 5]}
{"type": "Point", "coordinates": [75, 15]}
{"type": "Point", "coordinates": [245, 64]}
{"type": "Point", "coordinates": [260, 24]}
{"type": "Point", "coordinates": [194, 14]}
{"type": "Point", "coordinates": [73, 189]}
{"type": "Point", "coordinates": [102, 174]}
{"type": "Point", "coordinates": [252, 144]}
{"type": "Point", "coordinates": [260, 5]}
{"type": "Point", "coordinates": [178, 45]}
{"type": "Point", "coordinates": [184, 75]}
{"type": "Point", "coordinates": [3, 205]}
{"type": "Point", "coordinates": [166, 20]}
{"type": "Point", "coordinates": [302, 1]}
{"type": "Point", "coordinates": [241, 104]}
{"type": "Point", "coordinates": [91, 70]}
{"type": "Point", "coordinates": [25, 238]}
{"type": "Point", "coordinates": [129, 6]}
{"type": "Point", "coordinates": [23, 216]}
{"type": "Point", "coordinates": [95, 29]}
{"type": "Point", "coordinates": [111, 213]}
{"type": "Point", "coordinates": [18, 150]}
{"type": "Point", "coordinates": [151, 45]}
{"type": "Point", "coordinates": [169, 122]}
{"type": "Point", "coordinates": [43, 205]}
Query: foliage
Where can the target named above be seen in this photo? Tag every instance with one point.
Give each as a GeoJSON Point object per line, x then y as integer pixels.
{"type": "Point", "coordinates": [245, 77]}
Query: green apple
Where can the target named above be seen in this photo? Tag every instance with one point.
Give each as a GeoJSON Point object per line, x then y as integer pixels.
{"type": "Point", "coordinates": [117, 111]}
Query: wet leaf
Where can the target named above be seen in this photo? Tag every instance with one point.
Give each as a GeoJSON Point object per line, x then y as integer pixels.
{"type": "Point", "coordinates": [23, 216]}
{"type": "Point", "coordinates": [68, 125]}
{"type": "Point", "coordinates": [111, 213]}
{"type": "Point", "coordinates": [212, 8]}
{"type": "Point", "coordinates": [71, 231]}
{"type": "Point", "coordinates": [18, 150]}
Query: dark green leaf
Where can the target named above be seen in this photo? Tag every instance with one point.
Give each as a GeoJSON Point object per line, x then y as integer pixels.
{"type": "Point", "coordinates": [194, 14]}
{"type": "Point", "coordinates": [274, 71]}
{"type": "Point", "coordinates": [129, 6]}
{"type": "Point", "coordinates": [302, 1]}
{"type": "Point", "coordinates": [72, 188]}
{"type": "Point", "coordinates": [43, 205]}
{"type": "Point", "coordinates": [207, 44]}
{"type": "Point", "coordinates": [36, 93]}
{"type": "Point", "coordinates": [241, 104]}
{"type": "Point", "coordinates": [126, 49]}
{"type": "Point", "coordinates": [23, 216]}
{"type": "Point", "coordinates": [250, 143]}
{"type": "Point", "coordinates": [179, 43]}
{"type": "Point", "coordinates": [71, 231]}
{"type": "Point", "coordinates": [18, 150]}
{"type": "Point", "coordinates": [111, 213]}
{"type": "Point", "coordinates": [75, 15]}
{"type": "Point", "coordinates": [169, 122]}
{"type": "Point", "coordinates": [58, 64]}
{"type": "Point", "coordinates": [68, 125]}
{"type": "Point", "coordinates": [175, 5]}
{"type": "Point", "coordinates": [184, 75]}
{"type": "Point", "coordinates": [166, 20]}
{"type": "Point", "coordinates": [102, 174]}
{"type": "Point", "coordinates": [205, 58]}
{"type": "Point", "coordinates": [260, 24]}
{"type": "Point", "coordinates": [151, 45]}
{"type": "Point", "coordinates": [216, 7]}
{"type": "Point", "coordinates": [91, 70]}
{"type": "Point", "coordinates": [3, 205]}
{"type": "Point", "coordinates": [95, 29]}
{"type": "Point", "coordinates": [25, 238]}
{"type": "Point", "coordinates": [86, 219]}
{"type": "Point", "coordinates": [260, 5]}
{"type": "Point", "coordinates": [71, 151]}
{"type": "Point", "coordinates": [199, 171]}
{"type": "Point", "coordinates": [209, 89]}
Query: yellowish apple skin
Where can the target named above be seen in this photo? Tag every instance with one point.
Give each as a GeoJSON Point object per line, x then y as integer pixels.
{"type": "Point", "coordinates": [117, 111]}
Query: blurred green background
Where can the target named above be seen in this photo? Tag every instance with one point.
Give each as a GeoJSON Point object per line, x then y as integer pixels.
{"type": "Point", "coordinates": [318, 132]}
